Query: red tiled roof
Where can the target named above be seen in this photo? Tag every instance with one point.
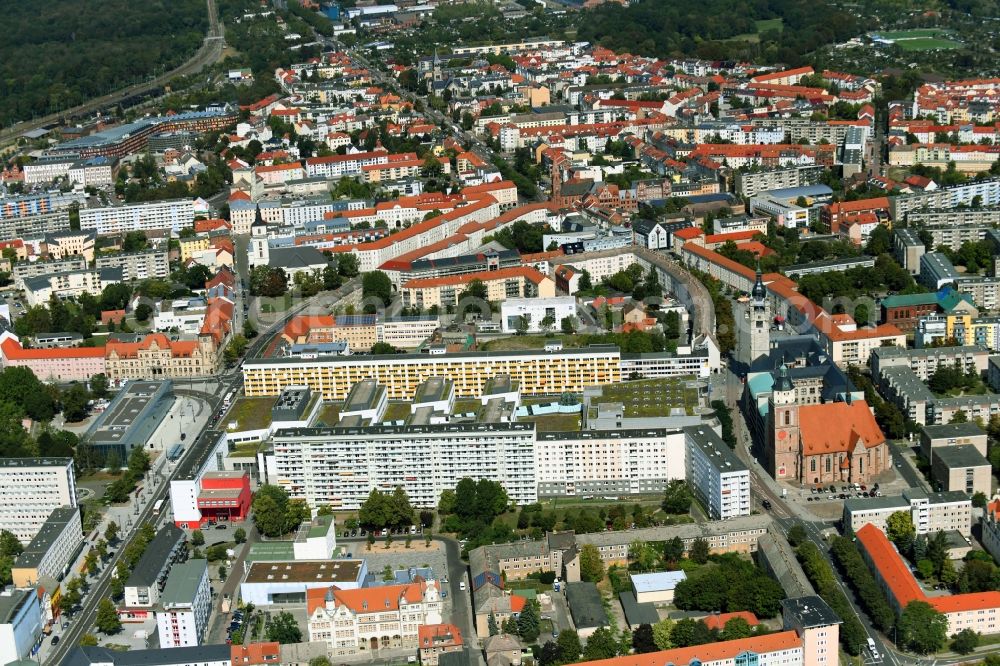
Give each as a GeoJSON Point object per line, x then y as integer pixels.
{"type": "Point", "coordinates": [710, 652]}
{"type": "Point", "coordinates": [525, 272]}
{"type": "Point", "coordinates": [366, 599]}
{"type": "Point", "coordinates": [13, 350]}
{"type": "Point", "coordinates": [719, 621]}
{"type": "Point", "coordinates": [832, 427]}
{"type": "Point", "coordinates": [903, 586]}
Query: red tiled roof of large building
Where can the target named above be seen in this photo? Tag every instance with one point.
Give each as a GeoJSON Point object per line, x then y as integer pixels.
{"type": "Point", "coordinates": [13, 350]}
{"type": "Point", "coordinates": [833, 427]}
{"type": "Point", "coordinates": [719, 621]}
{"type": "Point", "coordinates": [903, 586]}
{"type": "Point", "coordinates": [178, 348]}
{"type": "Point", "coordinates": [710, 652]}
{"type": "Point", "coordinates": [526, 272]}
{"type": "Point", "coordinates": [255, 654]}
{"type": "Point", "coordinates": [366, 599]}
{"type": "Point", "coordinates": [735, 236]}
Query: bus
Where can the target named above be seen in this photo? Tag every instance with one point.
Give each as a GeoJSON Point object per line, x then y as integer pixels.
{"type": "Point", "coordinates": [229, 398]}
{"type": "Point", "coordinates": [157, 507]}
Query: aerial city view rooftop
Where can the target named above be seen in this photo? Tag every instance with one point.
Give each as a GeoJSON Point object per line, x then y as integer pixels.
{"type": "Point", "coordinates": [500, 333]}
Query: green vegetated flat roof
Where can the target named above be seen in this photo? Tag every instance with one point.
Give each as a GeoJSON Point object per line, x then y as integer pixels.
{"type": "Point", "coordinates": [266, 551]}
{"type": "Point", "coordinates": [650, 397]}
{"type": "Point", "coordinates": [251, 413]}
{"type": "Point", "coordinates": [322, 526]}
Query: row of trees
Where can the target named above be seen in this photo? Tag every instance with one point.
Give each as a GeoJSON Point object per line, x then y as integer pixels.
{"type": "Point", "coordinates": [853, 566]}
{"type": "Point", "coordinates": [820, 574]}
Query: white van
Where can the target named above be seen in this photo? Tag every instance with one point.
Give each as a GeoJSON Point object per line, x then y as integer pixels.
{"type": "Point", "coordinates": [871, 648]}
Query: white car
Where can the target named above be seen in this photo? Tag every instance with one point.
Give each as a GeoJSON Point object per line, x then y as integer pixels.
{"type": "Point", "coordinates": [461, 586]}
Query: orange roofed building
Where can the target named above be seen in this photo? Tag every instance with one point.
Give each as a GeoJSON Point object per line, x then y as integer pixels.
{"type": "Point", "coordinates": [978, 611]}
{"type": "Point", "coordinates": [831, 442]}
{"type": "Point", "coordinates": [372, 618]}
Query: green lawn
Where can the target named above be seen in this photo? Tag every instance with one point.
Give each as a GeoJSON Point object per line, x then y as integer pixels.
{"type": "Point", "coordinates": [651, 397]}
{"type": "Point", "coordinates": [770, 24]}
{"type": "Point", "coordinates": [911, 34]}
{"type": "Point", "coordinates": [250, 413]}
{"type": "Point", "coordinates": [927, 44]}
{"type": "Point", "coordinates": [921, 39]}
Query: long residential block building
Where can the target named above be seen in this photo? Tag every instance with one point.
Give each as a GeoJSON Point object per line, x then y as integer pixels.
{"type": "Point", "coordinates": [977, 611]}
{"type": "Point", "coordinates": [537, 372]}
{"type": "Point", "coordinates": [159, 216]}
{"type": "Point", "coordinates": [931, 512]}
{"type": "Point", "coordinates": [137, 265]}
{"type": "Point", "coordinates": [339, 467]}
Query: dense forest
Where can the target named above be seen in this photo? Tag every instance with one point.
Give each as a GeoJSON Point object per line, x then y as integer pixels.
{"type": "Point", "coordinates": [762, 30]}
{"type": "Point", "coordinates": [59, 53]}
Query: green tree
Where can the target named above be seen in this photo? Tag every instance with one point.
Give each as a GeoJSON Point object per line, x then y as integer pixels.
{"type": "Point", "coordinates": [663, 632]}
{"type": "Point", "coordinates": [529, 621]}
{"type": "Point", "coordinates": [275, 514]}
{"type": "Point", "coordinates": [491, 623]}
{"type": "Point", "coordinates": [284, 629]}
{"type": "Point", "coordinates": [240, 535]}
{"type": "Point", "coordinates": [236, 347]}
{"type": "Point", "coordinates": [376, 285]}
{"type": "Point", "coordinates": [138, 461]}
{"type": "Point", "coordinates": [142, 312]}
{"type": "Point", "coordinates": [688, 632]}
{"type": "Point", "coordinates": [922, 628]}
{"type": "Point", "coordinates": [643, 639]}
{"type": "Point", "coordinates": [107, 620]}
{"type": "Point", "coordinates": [965, 641]}
{"type": "Point", "coordinates": [602, 644]}
{"type": "Point", "coordinates": [197, 538]}
{"type": "Point", "coordinates": [735, 628]}
{"type": "Point", "coordinates": [643, 555]}
{"type": "Point", "coordinates": [569, 646]}
{"type": "Point", "coordinates": [591, 565]}
{"type": "Point", "coordinates": [900, 530]}
{"type": "Point", "coordinates": [796, 534]}
{"type": "Point", "coordinates": [673, 550]}
{"type": "Point", "coordinates": [568, 325]}
{"type": "Point", "coordinates": [99, 385]}
{"type": "Point", "coordinates": [74, 402]}
{"type": "Point", "coordinates": [699, 551]}
{"type": "Point", "coordinates": [677, 498]}
{"type": "Point", "coordinates": [111, 532]}
{"type": "Point", "coordinates": [88, 640]}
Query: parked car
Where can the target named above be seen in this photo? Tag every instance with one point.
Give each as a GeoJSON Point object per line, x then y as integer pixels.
{"type": "Point", "coordinates": [55, 641]}
{"type": "Point", "coordinates": [766, 504]}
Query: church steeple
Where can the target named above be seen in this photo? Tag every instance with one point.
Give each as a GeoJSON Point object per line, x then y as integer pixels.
{"type": "Point", "coordinates": [783, 382]}
{"type": "Point", "coordinates": [758, 293]}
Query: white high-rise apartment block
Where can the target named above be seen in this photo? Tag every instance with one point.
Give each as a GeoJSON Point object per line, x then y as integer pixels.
{"type": "Point", "coordinates": [152, 216]}
{"type": "Point", "coordinates": [716, 475]}
{"type": "Point", "coordinates": [186, 602]}
{"type": "Point", "coordinates": [30, 488]}
{"type": "Point", "coordinates": [338, 467]}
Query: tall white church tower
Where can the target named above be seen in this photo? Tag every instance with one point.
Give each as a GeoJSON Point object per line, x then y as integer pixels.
{"type": "Point", "coordinates": [753, 335]}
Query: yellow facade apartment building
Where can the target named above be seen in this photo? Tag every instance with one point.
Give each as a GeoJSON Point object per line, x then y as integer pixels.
{"type": "Point", "coordinates": [538, 372]}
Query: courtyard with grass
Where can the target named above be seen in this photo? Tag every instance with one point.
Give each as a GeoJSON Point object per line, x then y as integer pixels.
{"type": "Point", "coordinates": [652, 397]}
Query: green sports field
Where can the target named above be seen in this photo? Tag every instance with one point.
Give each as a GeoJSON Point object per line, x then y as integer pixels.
{"type": "Point", "coordinates": [921, 39]}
